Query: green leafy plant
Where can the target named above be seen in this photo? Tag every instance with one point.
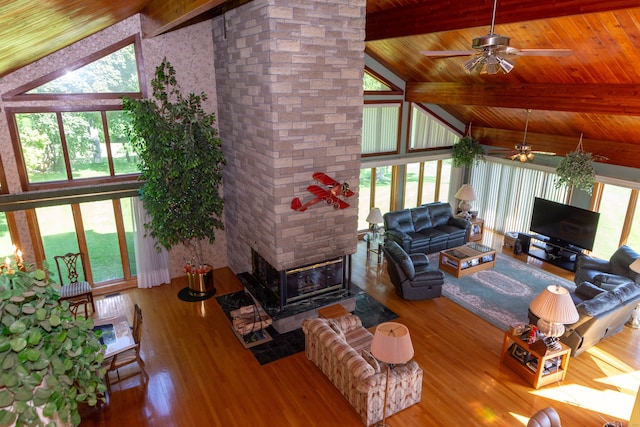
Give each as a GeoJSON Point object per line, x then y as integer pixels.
{"type": "Point", "coordinates": [576, 169]}
{"type": "Point", "coordinates": [181, 163]}
{"type": "Point", "coordinates": [50, 360]}
{"type": "Point", "coordinates": [467, 151]}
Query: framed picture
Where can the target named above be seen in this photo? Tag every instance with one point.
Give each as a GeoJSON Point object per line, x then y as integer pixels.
{"type": "Point", "coordinates": [520, 353]}
{"type": "Point", "coordinates": [254, 338]}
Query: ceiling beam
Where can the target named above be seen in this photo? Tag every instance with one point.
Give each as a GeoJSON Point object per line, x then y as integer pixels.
{"type": "Point", "coordinates": [617, 153]}
{"type": "Point", "coordinates": [161, 16]}
{"type": "Point", "coordinates": [431, 17]}
{"type": "Point", "coordinates": [619, 99]}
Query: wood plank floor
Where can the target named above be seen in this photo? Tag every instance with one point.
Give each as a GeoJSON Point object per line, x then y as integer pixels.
{"type": "Point", "coordinates": [200, 375]}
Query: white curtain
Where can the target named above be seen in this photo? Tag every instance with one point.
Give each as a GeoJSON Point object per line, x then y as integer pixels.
{"type": "Point", "coordinates": [152, 266]}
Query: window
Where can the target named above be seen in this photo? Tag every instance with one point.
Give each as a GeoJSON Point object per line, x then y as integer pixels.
{"type": "Point", "coordinates": [427, 182]}
{"type": "Point", "coordinates": [375, 191]}
{"type": "Point", "coordinates": [505, 194]}
{"type": "Point", "coordinates": [429, 132]}
{"type": "Point", "coordinates": [74, 150]}
{"type": "Point", "coordinates": [380, 127]}
{"type": "Point", "coordinates": [62, 146]}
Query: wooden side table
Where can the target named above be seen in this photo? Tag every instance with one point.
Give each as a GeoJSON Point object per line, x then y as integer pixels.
{"type": "Point", "coordinates": [535, 363]}
{"type": "Point", "coordinates": [476, 230]}
{"type": "Point", "coordinates": [333, 311]}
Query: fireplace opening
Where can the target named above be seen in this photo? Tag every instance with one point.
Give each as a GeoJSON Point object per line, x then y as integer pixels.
{"type": "Point", "coordinates": [295, 284]}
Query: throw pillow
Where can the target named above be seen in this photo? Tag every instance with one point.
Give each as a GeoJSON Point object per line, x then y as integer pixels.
{"type": "Point", "coordinates": [371, 360]}
{"type": "Point", "coordinates": [587, 290]}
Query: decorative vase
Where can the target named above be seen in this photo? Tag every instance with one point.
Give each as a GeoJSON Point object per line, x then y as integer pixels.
{"type": "Point", "coordinates": [201, 283]}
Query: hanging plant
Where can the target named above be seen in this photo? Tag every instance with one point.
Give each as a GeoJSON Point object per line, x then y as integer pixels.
{"type": "Point", "coordinates": [576, 169]}
{"type": "Point", "coordinates": [467, 151]}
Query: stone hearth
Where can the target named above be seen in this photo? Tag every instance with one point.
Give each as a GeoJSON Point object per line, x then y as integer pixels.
{"type": "Point", "coordinates": [290, 317]}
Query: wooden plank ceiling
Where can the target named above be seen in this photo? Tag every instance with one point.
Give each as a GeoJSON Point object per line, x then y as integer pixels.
{"type": "Point", "coordinates": [595, 91]}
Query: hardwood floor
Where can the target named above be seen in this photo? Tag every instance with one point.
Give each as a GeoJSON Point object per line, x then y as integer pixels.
{"type": "Point", "coordinates": [200, 375]}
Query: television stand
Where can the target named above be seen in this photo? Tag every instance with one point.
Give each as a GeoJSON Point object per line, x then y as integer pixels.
{"type": "Point", "coordinates": [560, 254]}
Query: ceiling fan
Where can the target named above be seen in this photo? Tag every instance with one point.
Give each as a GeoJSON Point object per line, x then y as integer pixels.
{"type": "Point", "coordinates": [523, 152]}
{"type": "Point", "coordinates": [492, 52]}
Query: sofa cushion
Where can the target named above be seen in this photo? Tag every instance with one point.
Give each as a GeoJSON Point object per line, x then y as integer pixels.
{"type": "Point", "coordinates": [421, 219]}
{"type": "Point", "coordinates": [621, 259]}
{"type": "Point", "coordinates": [366, 355]}
{"type": "Point", "coordinates": [359, 339]}
{"type": "Point", "coordinates": [610, 281]}
{"type": "Point", "coordinates": [336, 328]}
{"type": "Point", "coordinates": [399, 220]}
{"type": "Point", "coordinates": [587, 290]}
{"type": "Point", "coordinates": [626, 291]}
{"type": "Point", "coordinates": [600, 304]}
{"type": "Point", "coordinates": [440, 213]}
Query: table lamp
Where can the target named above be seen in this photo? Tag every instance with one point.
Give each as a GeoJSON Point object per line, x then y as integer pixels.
{"type": "Point", "coordinates": [554, 308]}
{"type": "Point", "coordinates": [392, 345]}
{"type": "Point", "coordinates": [374, 218]}
{"type": "Point", "coordinates": [465, 194]}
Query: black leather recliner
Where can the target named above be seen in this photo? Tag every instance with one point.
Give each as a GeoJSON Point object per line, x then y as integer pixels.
{"type": "Point", "coordinates": [411, 275]}
{"type": "Point", "coordinates": [607, 274]}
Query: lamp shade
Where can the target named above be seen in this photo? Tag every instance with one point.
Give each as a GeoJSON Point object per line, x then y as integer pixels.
{"type": "Point", "coordinates": [375, 216]}
{"type": "Point", "coordinates": [554, 305]}
{"type": "Point", "coordinates": [392, 343]}
{"type": "Point", "coordinates": [466, 193]}
{"type": "Point", "coordinates": [635, 266]}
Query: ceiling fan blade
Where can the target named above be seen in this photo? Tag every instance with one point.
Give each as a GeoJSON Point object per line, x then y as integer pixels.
{"type": "Point", "coordinates": [544, 153]}
{"type": "Point", "coordinates": [542, 52]}
{"type": "Point", "coordinates": [440, 53]}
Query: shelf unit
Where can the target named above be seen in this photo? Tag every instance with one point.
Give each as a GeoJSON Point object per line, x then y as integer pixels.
{"type": "Point", "coordinates": [527, 359]}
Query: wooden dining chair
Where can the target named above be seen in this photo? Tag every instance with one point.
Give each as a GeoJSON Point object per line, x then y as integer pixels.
{"type": "Point", "coordinates": [78, 292]}
{"type": "Point", "coordinates": [130, 355]}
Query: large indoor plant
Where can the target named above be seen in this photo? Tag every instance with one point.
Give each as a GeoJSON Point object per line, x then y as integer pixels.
{"type": "Point", "coordinates": [50, 360]}
{"type": "Point", "coordinates": [181, 163]}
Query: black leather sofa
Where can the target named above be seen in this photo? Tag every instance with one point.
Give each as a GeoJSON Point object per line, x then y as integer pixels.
{"type": "Point", "coordinates": [427, 229]}
{"type": "Point", "coordinates": [606, 294]}
{"type": "Point", "coordinates": [411, 274]}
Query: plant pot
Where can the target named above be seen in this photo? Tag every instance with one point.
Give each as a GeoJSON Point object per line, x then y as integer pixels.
{"type": "Point", "coordinates": [200, 283]}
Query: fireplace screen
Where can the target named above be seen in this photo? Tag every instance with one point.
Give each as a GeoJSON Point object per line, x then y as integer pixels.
{"type": "Point", "coordinates": [299, 283]}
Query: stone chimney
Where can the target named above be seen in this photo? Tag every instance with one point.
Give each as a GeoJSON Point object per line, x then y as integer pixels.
{"type": "Point", "coordinates": [289, 86]}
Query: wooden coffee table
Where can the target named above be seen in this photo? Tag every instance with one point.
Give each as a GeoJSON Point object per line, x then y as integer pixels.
{"type": "Point", "coordinates": [467, 259]}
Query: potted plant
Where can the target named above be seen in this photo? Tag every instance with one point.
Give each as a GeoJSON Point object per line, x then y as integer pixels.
{"type": "Point", "coordinates": [576, 169]}
{"type": "Point", "coordinates": [50, 360]}
{"type": "Point", "coordinates": [181, 163]}
{"type": "Point", "coordinates": [467, 151]}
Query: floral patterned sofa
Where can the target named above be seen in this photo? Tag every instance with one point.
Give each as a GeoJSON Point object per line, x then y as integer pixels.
{"type": "Point", "coordinates": [340, 348]}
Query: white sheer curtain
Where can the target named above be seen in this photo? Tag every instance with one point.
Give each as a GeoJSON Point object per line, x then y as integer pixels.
{"type": "Point", "coordinates": [505, 194]}
{"type": "Point", "coordinates": [152, 266]}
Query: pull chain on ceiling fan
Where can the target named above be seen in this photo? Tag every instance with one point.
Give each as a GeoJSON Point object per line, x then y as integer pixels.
{"type": "Point", "coordinates": [492, 52]}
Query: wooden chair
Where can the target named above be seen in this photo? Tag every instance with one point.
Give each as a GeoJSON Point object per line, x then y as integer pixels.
{"type": "Point", "coordinates": [129, 355]}
{"type": "Point", "coordinates": [77, 292]}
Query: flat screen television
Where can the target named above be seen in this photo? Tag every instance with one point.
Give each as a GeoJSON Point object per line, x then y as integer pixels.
{"type": "Point", "coordinates": [564, 224]}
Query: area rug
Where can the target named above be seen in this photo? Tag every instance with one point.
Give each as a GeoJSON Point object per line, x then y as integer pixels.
{"type": "Point", "coordinates": [500, 295]}
{"type": "Point", "coordinates": [370, 311]}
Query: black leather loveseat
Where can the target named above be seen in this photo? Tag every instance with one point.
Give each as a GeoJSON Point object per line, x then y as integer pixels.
{"type": "Point", "coordinates": [606, 294]}
{"type": "Point", "coordinates": [427, 229]}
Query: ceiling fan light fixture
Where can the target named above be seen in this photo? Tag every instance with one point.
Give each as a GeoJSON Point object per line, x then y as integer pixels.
{"type": "Point", "coordinates": [506, 65]}
{"type": "Point", "coordinates": [522, 157]}
{"type": "Point", "coordinates": [474, 63]}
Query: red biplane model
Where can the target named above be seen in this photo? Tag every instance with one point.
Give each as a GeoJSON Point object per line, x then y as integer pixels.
{"type": "Point", "coordinates": [330, 196]}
